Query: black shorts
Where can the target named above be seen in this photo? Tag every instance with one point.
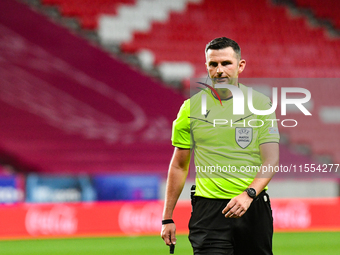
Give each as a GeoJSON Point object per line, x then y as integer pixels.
{"type": "Point", "coordinates": [211, 233]}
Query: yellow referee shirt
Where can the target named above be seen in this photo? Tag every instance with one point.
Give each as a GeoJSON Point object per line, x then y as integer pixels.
{"type": "Point", "coordinates": [226, 146]}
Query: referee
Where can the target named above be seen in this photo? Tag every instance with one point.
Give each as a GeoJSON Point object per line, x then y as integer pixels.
{"type": "Point", "coordinates": [231, 213]}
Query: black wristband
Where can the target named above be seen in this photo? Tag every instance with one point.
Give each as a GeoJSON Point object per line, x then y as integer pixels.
{"type": "Point", "coordinates": [167, 221]}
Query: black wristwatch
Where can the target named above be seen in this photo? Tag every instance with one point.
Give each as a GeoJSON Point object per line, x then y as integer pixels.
{"type": "Point", "coordinates": [251, 192]}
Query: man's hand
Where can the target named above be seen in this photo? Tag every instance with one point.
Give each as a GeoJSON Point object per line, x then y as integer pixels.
{"type": "Point", "coordinates": [169, 233]}
{"type": "Point", "coordinates": [237, 206]}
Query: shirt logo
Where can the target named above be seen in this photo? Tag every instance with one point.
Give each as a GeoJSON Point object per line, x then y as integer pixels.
{"type": "Point", "coordinates": [206, 115]}
{"type": "Point", "coordinates": [243, 136]}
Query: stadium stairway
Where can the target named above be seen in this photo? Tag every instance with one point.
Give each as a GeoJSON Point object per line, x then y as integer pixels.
{"type": "Point", "coordinates": [327, 10]}
{"type": "Point", "coordinates": [87, 11]}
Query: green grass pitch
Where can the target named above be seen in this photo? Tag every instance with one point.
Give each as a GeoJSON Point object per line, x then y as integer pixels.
{"type": "Point", "coordinates": [284, 243]}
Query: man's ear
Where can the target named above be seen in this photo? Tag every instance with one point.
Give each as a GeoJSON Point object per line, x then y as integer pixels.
{"type": "Point", "coordinates": [241, 65]}
{"type": "Point", "coordinates": [206, 67]}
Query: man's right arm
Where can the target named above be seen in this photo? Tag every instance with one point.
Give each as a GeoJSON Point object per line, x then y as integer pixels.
{"type": "Point", "coordinates": [178, 171]}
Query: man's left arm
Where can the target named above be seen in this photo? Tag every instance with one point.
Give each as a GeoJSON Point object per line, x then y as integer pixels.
{"type": "Point", "coordinates": [240, 204]}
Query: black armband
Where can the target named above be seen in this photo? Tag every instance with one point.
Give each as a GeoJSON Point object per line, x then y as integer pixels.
{"type": "Point", "coordinates": [167, 221]}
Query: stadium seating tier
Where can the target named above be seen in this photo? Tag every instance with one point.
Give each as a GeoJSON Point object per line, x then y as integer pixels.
{"type": "Point", "coordinates": [273, 43]}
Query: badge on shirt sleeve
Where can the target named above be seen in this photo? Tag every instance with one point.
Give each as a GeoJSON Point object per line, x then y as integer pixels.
{"type": "Point", "coordinates": [243, 136]}
{"type": "Point", "coordinates": [273, 130]}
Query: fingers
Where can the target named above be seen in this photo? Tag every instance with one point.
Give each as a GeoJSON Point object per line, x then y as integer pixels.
{"type": "Point", "coordinates": [173, 239]}
{"type": "Point", "coordinates": [235, 213]}
{"type": "Point", "coordinates": [237, 206]}
{"type": "Point", "coordinates": [169, 234]}
{"type": "Point", "coordinates": [166, 236]}
{"type": "Point", "coordinates": [230, 205]}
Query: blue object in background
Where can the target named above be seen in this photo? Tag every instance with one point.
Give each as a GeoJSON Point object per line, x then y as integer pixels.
{"type": "Point", "coordinates": [9, 192]}
{"type": "Point", "coordinates": [59, 189]}
{"type": "Point", "coordinates": [127, 187]}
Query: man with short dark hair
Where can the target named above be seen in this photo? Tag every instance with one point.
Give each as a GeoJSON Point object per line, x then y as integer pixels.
{"type": "Point", "coordinates": [232, 213]}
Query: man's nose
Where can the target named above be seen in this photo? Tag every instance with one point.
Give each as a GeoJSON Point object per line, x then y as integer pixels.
{"type": "Point", "coordinates": [219, 70]}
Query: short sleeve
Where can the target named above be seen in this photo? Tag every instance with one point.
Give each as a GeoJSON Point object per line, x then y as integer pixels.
{"type": "Point", "coordinates": [269, 132]}
{"type": "Point", "coordinates": [181, 127]}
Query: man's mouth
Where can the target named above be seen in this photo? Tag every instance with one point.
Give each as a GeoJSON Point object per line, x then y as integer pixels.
{"type": "Point", "coordinates": [221, 79]}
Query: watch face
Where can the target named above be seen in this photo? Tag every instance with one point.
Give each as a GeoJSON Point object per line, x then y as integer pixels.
{"type": "Point", "coordinates": [251, 192]}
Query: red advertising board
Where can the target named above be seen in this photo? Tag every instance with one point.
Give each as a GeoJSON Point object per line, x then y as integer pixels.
{"type": "Point", "coordinates": [86, 219]}
{"type": "Point", "coordinates": [306, 214]}
{"type": "Point", "coordinates": [143, 218]}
